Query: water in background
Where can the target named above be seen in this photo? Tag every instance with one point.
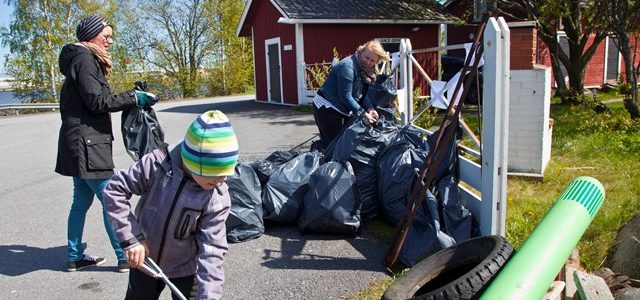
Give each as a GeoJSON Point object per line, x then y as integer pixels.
{"type": "Point", "coordinates": [6, 97]}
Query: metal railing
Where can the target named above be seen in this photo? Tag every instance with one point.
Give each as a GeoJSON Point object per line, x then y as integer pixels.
{"type": "Point", "coordinates": [21, 106]}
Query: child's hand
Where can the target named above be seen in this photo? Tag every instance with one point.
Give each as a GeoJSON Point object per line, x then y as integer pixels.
{"type": "Point", "coordinates": [135, 255]}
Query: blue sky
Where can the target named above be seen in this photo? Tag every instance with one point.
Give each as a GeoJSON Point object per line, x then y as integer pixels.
{"type": "Point", "coordinates": [4, 21]}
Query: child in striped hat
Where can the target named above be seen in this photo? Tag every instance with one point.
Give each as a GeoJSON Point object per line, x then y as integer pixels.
{"type": "Point", "coordinates": [179, 221]}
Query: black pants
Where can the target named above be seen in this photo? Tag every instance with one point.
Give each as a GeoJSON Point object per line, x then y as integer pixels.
{"type": "Point", "coordinates": [330, 122]}
{"type": "Point", "coordinates": [143, 287]}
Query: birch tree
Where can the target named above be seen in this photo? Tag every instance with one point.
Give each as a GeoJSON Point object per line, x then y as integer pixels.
{"type": "Point", "coordinates": [173, 37]}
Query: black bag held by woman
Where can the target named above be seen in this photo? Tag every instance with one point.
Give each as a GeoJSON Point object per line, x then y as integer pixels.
{"type": "Point", "coordinates": [382, 94]}
{"type": "Point", "coordinates": [382, 91]}
{"type": "Point", "coordinates": [141, 130]}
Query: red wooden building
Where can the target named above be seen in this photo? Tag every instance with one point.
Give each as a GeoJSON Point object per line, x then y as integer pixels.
{"type": "Point", "coordinates": [528, 50]}
{"type": "Point", "coordinates": [289, 34]}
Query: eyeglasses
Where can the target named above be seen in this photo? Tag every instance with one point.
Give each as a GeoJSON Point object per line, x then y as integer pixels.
{"type": "Point", "coordinates": [108, 37]}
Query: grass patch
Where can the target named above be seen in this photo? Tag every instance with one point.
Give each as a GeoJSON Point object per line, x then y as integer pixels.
{"type": "Point", "coordinates": [604, 146]}
{"type": "Point", "coordinates": [374, 290]}
{"type": "Point", "coordinates": [609, 94]}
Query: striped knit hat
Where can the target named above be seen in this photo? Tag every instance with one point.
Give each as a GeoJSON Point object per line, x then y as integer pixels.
{"type": "Point", "coordinates": [89, 27]}
{"type": "Point", "coordinates": [210, 147]}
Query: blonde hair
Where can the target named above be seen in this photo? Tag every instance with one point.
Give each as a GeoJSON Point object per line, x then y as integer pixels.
{"type": "Point", "coordinates": [376, 47]}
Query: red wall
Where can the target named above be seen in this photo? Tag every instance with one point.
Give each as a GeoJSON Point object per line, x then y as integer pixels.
{"type": "Point", "coordinates": [320, 39]}
{"type": "Point", "coordinates": [594, 76]}
{"type": "Point", "coordinates": [526, 48]}
{"type": "Point", "coordinates": [634, 45]}
{"type": "Point", "coordinates": [263, 17]}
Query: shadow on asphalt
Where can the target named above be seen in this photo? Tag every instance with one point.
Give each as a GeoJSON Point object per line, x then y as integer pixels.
{"type": "Point", "coordinates": [248, 109]}
{"type": "Point", "coordinates": [22, 259]}
{"type": "Point", "coordinates": [294, 252]}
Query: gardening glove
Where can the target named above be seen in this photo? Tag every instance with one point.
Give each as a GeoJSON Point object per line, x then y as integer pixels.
{"type": "Point", "coordinates": [146, 99]}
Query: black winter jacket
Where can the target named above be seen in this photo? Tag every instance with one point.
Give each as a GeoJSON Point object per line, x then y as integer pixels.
{"type": "Point", "coordinates": [84, 144]}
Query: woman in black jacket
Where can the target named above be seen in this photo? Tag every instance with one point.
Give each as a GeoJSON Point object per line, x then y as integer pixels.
{"type": "Point", "coordinates": [84, 144]}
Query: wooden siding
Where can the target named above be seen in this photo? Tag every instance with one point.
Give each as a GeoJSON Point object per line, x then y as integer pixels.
{"type": "Point", "coordinates": [594, 76]}
{"type": "Point", "coordinates": [320, 39]}
{"type": "Point", "coordinates": [637, 56]}
{"type": "Point", "coordinates": [263, 17]}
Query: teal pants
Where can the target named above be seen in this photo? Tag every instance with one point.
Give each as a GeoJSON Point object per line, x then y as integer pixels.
{"type": "Point", "coordinates": [84, 191]}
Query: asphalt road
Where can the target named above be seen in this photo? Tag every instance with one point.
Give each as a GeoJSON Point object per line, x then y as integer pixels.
{"type": "Point", "coordinates": [281, 264]}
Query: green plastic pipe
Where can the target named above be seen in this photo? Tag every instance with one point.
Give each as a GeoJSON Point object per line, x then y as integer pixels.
{"type": "Point", "coordinates": [530, 272]}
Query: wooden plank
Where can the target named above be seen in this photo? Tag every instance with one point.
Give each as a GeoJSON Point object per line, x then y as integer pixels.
{"type": "Point", "coordinates": [472, 202]}
{"type": "Point", "coordinates": [470, 172]}
{"type": "Point", "coordinates": [555, 291]}
{"type": "Point", "coordinates": [591, 287]}
{"type": "Point", "coordinates": [570, 289]}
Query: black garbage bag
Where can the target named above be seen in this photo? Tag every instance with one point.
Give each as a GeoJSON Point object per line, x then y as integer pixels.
{"type": "Point", "coordinates": [263, 169]}
{"type": "Point", "coordinates": [448, 164]}
{"type": "Point", "coordinates": [245, 217]}
{"type": "Point", "coordinates": [361, 144]}
{"type": "Point", "coordinates": [332, 202]}
{"type": "Point", "coordinates": [382, 94]}
{"type": "Point", "coordinates": [398, 168]}
{"type": "Point", "coordinates": [283, 194]}
{"type": "Point", "coordinates": [141, 131]}
{"type": "Point", "coordinates": [441, 220]}
{"type": "Point", "coordinates": [317, 145]}
{"type": "Point", "coordinates": [456, 219]}
{"type": "Point", "coordinates": [408, 134]}
{"type": "Point", "coordinates": [425, 236]}
{"type": "Point", "coordinates": [281, 156]}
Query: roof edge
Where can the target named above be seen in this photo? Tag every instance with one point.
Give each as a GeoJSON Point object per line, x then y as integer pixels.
{"type": "Point", "coordinates": [284, 20]}
{"type": "Point", "coordinates": [522, 24]}
{"type": "Point", "coordinates": [245, 11]}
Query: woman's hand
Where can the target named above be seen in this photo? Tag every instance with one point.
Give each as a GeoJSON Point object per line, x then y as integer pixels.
{"type": "Point", "coordinates": [135, 255]}
{"type": "Point", "coordinates": [372, 115]}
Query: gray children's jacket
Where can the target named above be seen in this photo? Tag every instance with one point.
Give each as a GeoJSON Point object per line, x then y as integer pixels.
{"type": "Point", "coordinates": [182, 224]}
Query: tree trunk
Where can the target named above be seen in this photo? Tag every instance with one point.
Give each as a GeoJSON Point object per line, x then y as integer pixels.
{"type": "Point", "coordinates": [631, 77]}
{"type": "Point", "coordinates": [632, 108]}
{"type": "Point", "coordinates": [548, 37]}
{"type": "Point", "coordinates": [561, 85]}
{"type": "Point", "coordinates": [576, 71]}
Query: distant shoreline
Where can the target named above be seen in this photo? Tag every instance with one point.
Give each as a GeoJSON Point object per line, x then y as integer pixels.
{"type": "Point", "coordinates": [7, 97]}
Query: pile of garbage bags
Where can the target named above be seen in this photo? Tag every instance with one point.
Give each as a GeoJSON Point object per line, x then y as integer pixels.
{"type": "Point", "coordinates": [368, 171]}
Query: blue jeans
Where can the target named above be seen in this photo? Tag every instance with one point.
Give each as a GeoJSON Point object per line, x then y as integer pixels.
{"type": "Point", "coordinates": [83, 192]}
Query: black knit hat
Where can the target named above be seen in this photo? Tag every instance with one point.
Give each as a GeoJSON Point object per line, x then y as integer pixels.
{"type": "Point", "coordinates": [89, 27]}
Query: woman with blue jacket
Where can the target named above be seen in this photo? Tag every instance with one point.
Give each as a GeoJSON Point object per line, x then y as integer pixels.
{"type": "Point", "coordinates": [342, 94]}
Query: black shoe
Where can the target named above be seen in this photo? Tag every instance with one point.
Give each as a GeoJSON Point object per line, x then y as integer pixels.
{"type": "Point", "coordinates": [123, 267]}
{"type": "Point", "coordinates": [85, 262]}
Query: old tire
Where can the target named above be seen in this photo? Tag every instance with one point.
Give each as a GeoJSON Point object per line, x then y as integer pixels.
{"type": "Point", "coordinates": [461, 271]}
